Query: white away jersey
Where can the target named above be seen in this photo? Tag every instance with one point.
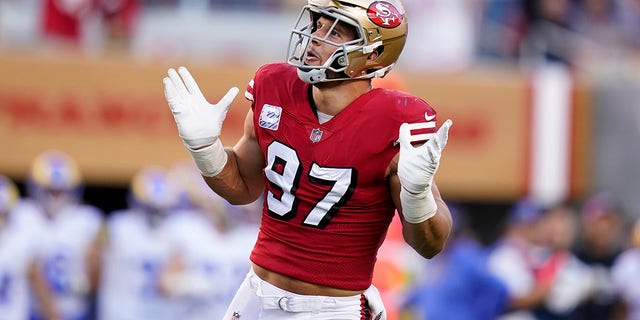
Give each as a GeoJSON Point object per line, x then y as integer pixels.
{"type": "Point", "coordinates": [68, 237]}
{"type": "Point", "coordinates": [19, 246]}
{"type": "Point", "coordinates": [134, 256]}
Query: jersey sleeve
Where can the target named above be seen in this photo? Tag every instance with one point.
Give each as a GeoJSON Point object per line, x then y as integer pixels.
{"type": "Point", "coordinates": [420, 116]}
{"type": "Point", "coordinates": [248, 93]}
{"type": "Point", "coordinates": [254, 83]}
{"type": "Point", "coordinates": [270, 74]}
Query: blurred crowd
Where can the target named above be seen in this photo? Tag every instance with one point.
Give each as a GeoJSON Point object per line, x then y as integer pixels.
{"type": "Point", "coordinates": [565, 261]}
{"type": "Point", "coordinates": [449, 34]}
{"type": "Point", "coordinates": [565, 31]}
{"type": "Point", "coordinates": [179, 251]}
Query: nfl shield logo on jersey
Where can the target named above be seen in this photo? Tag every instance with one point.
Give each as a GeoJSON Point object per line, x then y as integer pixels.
{"type": "Point", "coordinates": [316, 135]}
{"type": "Point", "coordinates": [270, 117]}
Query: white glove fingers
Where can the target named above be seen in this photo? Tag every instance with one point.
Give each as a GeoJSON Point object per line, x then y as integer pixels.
{"type": "Point", "coordinates": [442, 135]}
{"type": "Point", "coordinates": [171, 95]}
{"type": "Point", "coordinates": [190, 82]}
{"type": "Point", "coordinates": [228, 98]}
{"type": "Point", "coordinates": [177, 83]}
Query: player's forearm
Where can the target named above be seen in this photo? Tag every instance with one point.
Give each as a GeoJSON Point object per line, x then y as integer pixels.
{"type": "Point", "coordinates": [94, 258]}
{"type": "Point", "coordinates": [42, 292]}
{"type": "Point", "coordinates": [429, 237]}
{"type": "Point", "coordinates": [234, 185]}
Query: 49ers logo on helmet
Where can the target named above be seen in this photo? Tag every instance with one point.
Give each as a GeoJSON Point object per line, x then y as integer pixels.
{"type": "Point", "coordinates": [384, 14]}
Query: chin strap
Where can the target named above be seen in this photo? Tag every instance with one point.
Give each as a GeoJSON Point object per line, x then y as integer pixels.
{"type": "Point", "coordinates": [312, 76]}
{"type": "Point", "coordinates": [382, 72]}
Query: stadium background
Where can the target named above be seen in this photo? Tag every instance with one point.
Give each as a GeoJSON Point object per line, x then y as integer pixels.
{"type": "Point", "coordinates": [554, 125]}
{"type": "Point", "coordinates": [97, 94]}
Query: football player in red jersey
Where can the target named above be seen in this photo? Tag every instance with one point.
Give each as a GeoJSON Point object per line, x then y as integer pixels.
{"type": "Point", "coordinates": [333, 158]}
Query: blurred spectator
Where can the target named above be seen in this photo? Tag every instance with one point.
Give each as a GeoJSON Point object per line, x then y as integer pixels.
{"type": "Point", "coordinates": [69, 229]}
{"type": "Point", "coordinates": [120, 19]}
{"type": "Point", "coordinates": [62, 20]}
{"type": "Point", "coordinates": [630, 23]}
{"type": "Point", "coordinates": [549, 37]}
{"type": "Point", "coordinates": [136, 250]}
{"type": "Point", "coordinates": [19, 249]}
{"type": "Point", "coordinates": [601, 241]}
{"type": "Point", "coordinates": [571, 280]}
{"type": "Point", "coordinates": [458, 285]}
{"type": "Point", "coordinates": [519, 259]}
{"type": "Point", "coordinates": [83, 23]}
{"type": "Point", "coordinates": [501, 30]}
{"type": "Point", "coordinates": [599, 22]}
{"type": "Point", "coordinates": [625, 273]}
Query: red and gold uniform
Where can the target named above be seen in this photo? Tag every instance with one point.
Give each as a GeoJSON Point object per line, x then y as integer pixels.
{"type": "Point", "coordinates": [328, 204]}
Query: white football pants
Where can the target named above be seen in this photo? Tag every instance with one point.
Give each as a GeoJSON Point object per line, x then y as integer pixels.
{"type": "Point", "coordinates": [257, 299]}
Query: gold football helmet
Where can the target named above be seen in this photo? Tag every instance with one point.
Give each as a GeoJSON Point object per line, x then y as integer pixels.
{"type": "Point", "coordinates": [380, 26]}
{"type": "Point", "coordinates": [8, 194]}
{"type": "Point", "coordinates": [54, 181]}
{"type": "Point", "coordinates": [151, 188]}
{"type": "Point", "coordinates": [53, 169]}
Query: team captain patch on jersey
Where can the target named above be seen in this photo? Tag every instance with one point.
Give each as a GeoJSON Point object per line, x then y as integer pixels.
{"type": "Point", "coordinates": [327, 193]}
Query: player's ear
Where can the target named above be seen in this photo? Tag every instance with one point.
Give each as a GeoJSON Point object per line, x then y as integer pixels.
{"type": "Point", "coordinates": [373, 56]}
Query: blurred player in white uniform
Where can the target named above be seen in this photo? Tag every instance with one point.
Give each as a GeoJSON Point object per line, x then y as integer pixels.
{"type": "Point", "coordinates": [19, 247]}
{"type": "Point", "coordinates": [572, 281]}
{"type": "Point", "coordinates": [625, 275]}
{"type": "Point", "coordinates": [67, 257]}
{"type": "Point", "coordinates": [517, 256]}
{"type": "Point", "coordinates": [212, 242]}
{"type": "Point", "coordinates": [136, 250]}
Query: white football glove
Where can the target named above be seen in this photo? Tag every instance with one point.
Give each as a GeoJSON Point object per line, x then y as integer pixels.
{"type": "Point", "coordinates": [416, 169]}
{"type": "Point", "coordinates": [374, 299]}
{"type": "Point", "coordinates": [199, 122]}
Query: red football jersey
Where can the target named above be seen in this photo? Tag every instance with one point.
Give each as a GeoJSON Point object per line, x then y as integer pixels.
{"type": "Point", "coordinates": [328, 204]}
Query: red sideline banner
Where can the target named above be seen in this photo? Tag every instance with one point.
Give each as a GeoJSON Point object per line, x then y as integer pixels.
{"type": "Point", "coordinates": [111, 116]}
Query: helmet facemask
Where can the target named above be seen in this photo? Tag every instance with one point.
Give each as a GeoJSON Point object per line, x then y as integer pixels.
{"type": "Point", "coordinates": [380, 27]}
{"type": "Point", "coordinates": [303, 34]}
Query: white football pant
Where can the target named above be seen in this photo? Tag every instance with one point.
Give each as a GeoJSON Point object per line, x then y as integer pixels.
{"type": "Point", "coordinates": [257, 299]}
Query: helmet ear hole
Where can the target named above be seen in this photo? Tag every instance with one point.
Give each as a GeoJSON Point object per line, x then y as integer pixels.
{"type": "Point", "coordinates": [378, 52]}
